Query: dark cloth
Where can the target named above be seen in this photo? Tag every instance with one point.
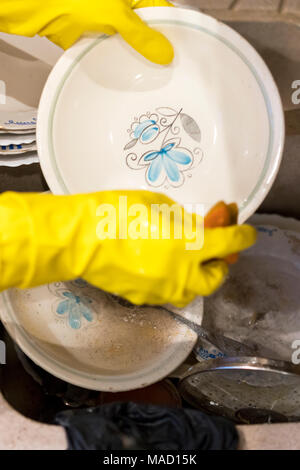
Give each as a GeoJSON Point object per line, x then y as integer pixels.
{"type": "Point", "coordinates": [120, 426]}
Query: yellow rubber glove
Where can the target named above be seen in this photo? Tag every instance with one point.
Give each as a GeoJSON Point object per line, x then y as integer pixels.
{"type": "Point", "coordinates": [46, 238]}
{"type": "Point", "coordinates": [65, 21]}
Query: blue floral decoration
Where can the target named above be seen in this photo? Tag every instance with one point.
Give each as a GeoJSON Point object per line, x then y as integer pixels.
{"type": "Point", "coordinates": [146, 131]}
{"type": "Point", "coordinates": [166, 158]}
{"type": "Point", "coordinates": [205, 354]}
{"type": "Point", "coordinates": [167, 127]}
{"type": "Point", "coordinates": [74, 307]}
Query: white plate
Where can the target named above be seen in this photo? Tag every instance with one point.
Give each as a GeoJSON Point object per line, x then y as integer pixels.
{"type": "Point", "coordinates": [19, 160]}
{"type": "Point", "coordinates": [95, 130]}
{"type": "Point", "coordinates": [25, 65]}
{"type": "Point", "coordinates": [7, 139]}
{"type": "Point", "coordinates": [259, 304]}
{"type": "Point", "coordinates": [276, 220]}
{"type": "Point", "coordinates": [86, 337]}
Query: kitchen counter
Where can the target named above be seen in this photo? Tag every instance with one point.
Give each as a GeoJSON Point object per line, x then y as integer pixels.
{"type": "Point", "coordinates": [19, 433]}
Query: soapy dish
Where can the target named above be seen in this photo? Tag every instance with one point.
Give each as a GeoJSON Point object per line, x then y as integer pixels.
{"type": "Point", "coordinates": [94, 340]}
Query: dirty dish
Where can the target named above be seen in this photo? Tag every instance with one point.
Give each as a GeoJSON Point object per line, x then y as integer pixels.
{"type": "Point", "coordinates": [224, 345]}
{"type": "Point", "coordinates": [259, 303]}
{"type": "Point", "coordinates": [247, 390]}
{"type": "Point", "coordinates": [208, 127]}
{"type": "Point", "coordinates": [275, 220]}
{"type": "Point", "coordinates": [94, 340]}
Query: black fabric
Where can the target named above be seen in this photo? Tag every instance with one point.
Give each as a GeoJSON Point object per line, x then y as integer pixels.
{"type": "Point", "coordinates": [119, 426]}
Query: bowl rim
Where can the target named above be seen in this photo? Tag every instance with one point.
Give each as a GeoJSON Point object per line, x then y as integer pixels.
{"type": "Point", "coordinates": [198, 21]}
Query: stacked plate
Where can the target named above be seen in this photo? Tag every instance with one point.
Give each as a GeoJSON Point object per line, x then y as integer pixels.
{"type": "Point", "coordinates": [18, 139]}
{"type": "Point", "coordinates": [25, 65]}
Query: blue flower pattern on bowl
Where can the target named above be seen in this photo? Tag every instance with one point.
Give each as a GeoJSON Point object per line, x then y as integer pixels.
{"type": "Point", "coordinates": [74, 306]}
{"type": "Point", "coordinates": [168, 163]}
{"type": "Point", "coordinates": [166, 158]}
{"type": "Point", "coordinates": [146, 131]}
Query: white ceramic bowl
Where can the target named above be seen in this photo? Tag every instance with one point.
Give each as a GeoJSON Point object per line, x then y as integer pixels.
{"type": "Point", "coordinates": [87, 337]}
{"type": "Point", "coordinates": [208, 127]}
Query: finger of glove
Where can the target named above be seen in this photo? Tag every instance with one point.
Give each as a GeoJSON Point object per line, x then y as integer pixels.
{"type": "Point", "coordinates": [152, 44]}
{"type": "Point", "coordinates": [223, 241]}
{"type": "Point", "coordinates": [209, 277]}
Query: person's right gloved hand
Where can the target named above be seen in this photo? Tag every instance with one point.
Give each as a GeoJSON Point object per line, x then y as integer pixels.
{"type": "Point", "coordinates": [46, 238]}
{"type": "Point", "coordinates": [65, 21]}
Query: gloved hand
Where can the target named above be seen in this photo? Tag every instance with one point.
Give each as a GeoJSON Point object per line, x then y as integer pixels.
{"type": "Point", "coordinates": [65, 21]}
{"type": "Point", "coordinates": [46, 238]}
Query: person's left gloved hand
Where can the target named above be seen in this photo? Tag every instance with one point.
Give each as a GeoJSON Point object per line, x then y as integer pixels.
{"type": "Point", "coordinates": [65, 21]}
{"type": "Point", "coordinates": [123, 242]}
